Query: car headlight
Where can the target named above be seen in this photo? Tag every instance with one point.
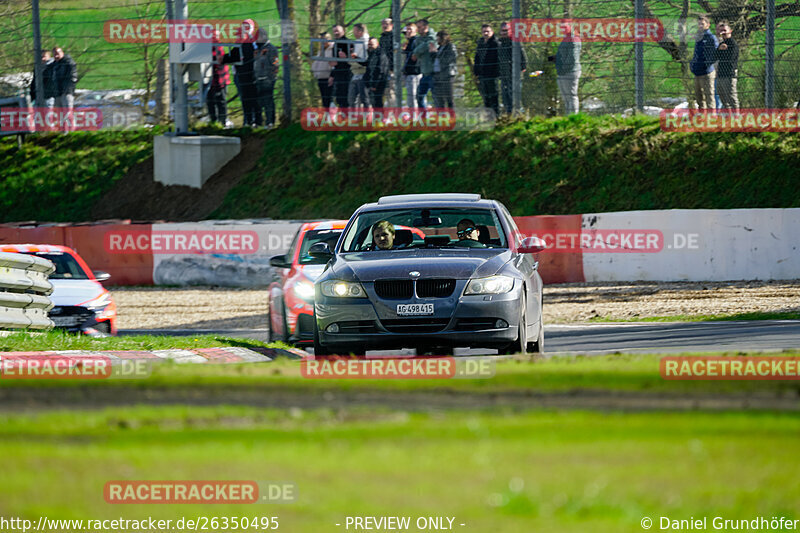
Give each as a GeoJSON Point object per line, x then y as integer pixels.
{"type": "Point", "coordinates": [304, 290]}
{"type": "Point", "coordinates": [490, 285]}
{"type": "Point", "coordinates": [98, 303]}
{"type": "Point", "coordinates": [342, 289]}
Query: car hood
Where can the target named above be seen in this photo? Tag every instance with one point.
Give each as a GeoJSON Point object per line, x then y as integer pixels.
{"type": "Point", "coordinates": [311, 272]}
{"type": "Point", "coordinates": [435, 263]}
{"type": "Point", "coordinates": [74, 291]}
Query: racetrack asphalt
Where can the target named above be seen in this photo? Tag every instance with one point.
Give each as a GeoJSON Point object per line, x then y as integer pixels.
{"type": "Point", "coordinates": [627, 337]}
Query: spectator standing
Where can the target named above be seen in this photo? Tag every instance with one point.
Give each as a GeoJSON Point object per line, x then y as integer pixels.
{"type": "Point", "coordinates": [386, 43]}
{"type": "Point", "coordinates": [217, 96]}
{"type": "Point", "coordinates": [341, 72]}
{"type": "Point", "coordinates": [322, 70]}
{"type": "Point", "coordinates": [702, 64]}
{"type": "Point", "coordinates": [266, 73]}
{"type": "Point", "coordinates": [65, 75]}
{"type": "Point", "coordinates": [377, 73]}
{"type": "Point", "coordinates": [487, 68]}
{"type": "Point", "coordinates": [444, 71]}
{"type": "Point", "coordinates": [568, 69]}
{"type": "Point", "coordinates": [424, 52]}
{"type": "Point", "coordinates": [411, 72]}
{"type": "Point", "coordinates": [357, 92]}
{"type": "Point", "coordinates": [243, 55]}
{"type": "Point", "coordinates": [506, 56]}
{"type": "Point", "coordinates": [48, 81]}
{"type": "Point", "coordinates": [727, 68]}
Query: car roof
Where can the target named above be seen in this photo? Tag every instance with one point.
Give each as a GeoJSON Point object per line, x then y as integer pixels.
{"type": "Point", "coordinates": [430, 200]}
{"type": "Point", "coordinates": [324, 225]}
{"type": "Point", "coordinates": [34, 248]}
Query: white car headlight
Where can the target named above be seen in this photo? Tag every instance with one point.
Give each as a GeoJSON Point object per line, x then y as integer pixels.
{"type": "Point", "coordinates": [304, 290]}
{"type": "Point", "coordinates": [98, 303]}
{"type": "Point", "coordinates": [490, 285]}
{"type": "Point", "coordinates": [342, 289]}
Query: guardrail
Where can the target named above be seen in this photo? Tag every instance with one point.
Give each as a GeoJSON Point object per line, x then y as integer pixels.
{"type": "Point", "coordinates": [24, 291]}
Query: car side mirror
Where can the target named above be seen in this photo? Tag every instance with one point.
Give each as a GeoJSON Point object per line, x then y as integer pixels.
{"type": "Point", "coordinates": [321, 251]}
{"type": "Point", "coordinates": [279, 261]}
{"type": "Point", "coordinates": [532, 245]}
{"type": "Point", "coordinates": [99, 275]}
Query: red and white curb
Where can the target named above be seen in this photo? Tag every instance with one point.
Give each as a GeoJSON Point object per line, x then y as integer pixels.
{"type": "Point", "coordinates": [222, 355]}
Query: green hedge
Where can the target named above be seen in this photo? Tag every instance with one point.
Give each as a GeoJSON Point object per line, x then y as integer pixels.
{"type": "Point", "coordinates": [578, 164]}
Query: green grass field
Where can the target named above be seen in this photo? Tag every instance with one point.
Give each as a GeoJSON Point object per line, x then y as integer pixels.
{"type": "Point", "coordinates": [505, 467]}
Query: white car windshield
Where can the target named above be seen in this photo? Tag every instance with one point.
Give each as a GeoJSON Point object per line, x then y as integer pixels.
{"type": "Point", "coordinates": [452, 228]}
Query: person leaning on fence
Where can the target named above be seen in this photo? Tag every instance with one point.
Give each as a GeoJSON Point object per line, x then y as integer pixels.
{"type": "Point", "coordinates": [487, 68]}
{"type": "Point", "coordinates": [506, 55]}
{"type": "Point", "coordinates": [411, 72]}
{"type": "Point", "coordinates": [568, 69]}
{"type": "Point", "coordinates": [376, 76]}
{"type": "Point", "coordinates": [322, 70]}
{"type": "Point", "coordinates": [424, 52]}
{"type": "Point", "coordinates": [49, 86]}
{"type": "Point", "coordinates": [357, 92]}
{"type": "Point", "coordinates": [386, 43]}
{"type": "Point", "coordinates": [727, 55]}
{"type": "Point", "coordinates": [216, 99]}
{"type": "Point", "coordinates": [340, 71]}
{"type": "Point", "coordinates": [444, 71]}
{"type": "Point", "coordinates": [702, 64]}
{"type": "Point", "coordinates": [243, 55]}
{"type": "Point", "coordinates": [65, 74]}
{"type": "Point", "coordinates": [265, 70]}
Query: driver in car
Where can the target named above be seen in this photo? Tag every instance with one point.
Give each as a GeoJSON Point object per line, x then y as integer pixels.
{"type": "Point", "coordinates": [383, 235]}
{"type": "Point", "coordinates": [467, 230]}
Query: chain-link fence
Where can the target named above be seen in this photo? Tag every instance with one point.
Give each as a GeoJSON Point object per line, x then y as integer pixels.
{"type": "Point", "coordinates": [767, 33]}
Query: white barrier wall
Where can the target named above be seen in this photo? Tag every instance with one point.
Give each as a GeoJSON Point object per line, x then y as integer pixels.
{"type": "Point", "coordinates": [232, 254]}
{"type": "Point", "coordinates": [700, 245]}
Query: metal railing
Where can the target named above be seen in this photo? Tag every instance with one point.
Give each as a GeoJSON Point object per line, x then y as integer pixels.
{"type": "Point", "coordinates": [24, 291]}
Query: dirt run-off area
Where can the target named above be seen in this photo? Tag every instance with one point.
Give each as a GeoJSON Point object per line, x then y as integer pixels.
{"type": "Point", "coordinates": [209, 308]}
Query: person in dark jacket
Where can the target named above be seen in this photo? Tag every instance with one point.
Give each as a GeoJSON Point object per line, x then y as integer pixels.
{"type": "Point", "coordinates": [411, 71]}
{"type": "Point", "coordinates": [65, 74]}
{"type": "Point", "coordinates": [386, 43]}
{"type": "Point", "coordinates": [341, 72]}
{"type": "Point", "coordinates": [265, 70]}
{"type": "Point", "coordinates": [505, 55]}
{"type": "Point", "coordinates": [702, 64]}
{"type": "Point", "coordinates": [487, 67]}
{"type": "Point", "coordinates": [377, 74]}
{"type": "Point", "coordinates": [216, 98]}
{"type": "Point", "coordinates": [48, 81]}
{"type": "Point", "coordinates": [444, 71]}
{"type": "Point", "coordinates": [244, 57]}
{"type": "Point", "coordinates": [727, 67]}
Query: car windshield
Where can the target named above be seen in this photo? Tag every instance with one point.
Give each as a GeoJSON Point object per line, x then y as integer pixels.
{"type": "Point", "coordinates": [456, 228]}
{"type": "Point", "coordinates": [331, 236]}
{"type": "Point", "coordinates": [66, 266]}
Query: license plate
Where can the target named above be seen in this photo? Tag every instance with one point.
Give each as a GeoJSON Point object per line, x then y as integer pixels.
{"type": "Point", "coordinates": [414, 309]}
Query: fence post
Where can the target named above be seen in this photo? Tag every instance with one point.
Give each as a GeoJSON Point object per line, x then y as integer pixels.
{"type": "Point", "coordinates": [769, 75]}
{"type": "Point", "coordinates": [516, 58]}
{"type": "Point", "coordinates": [37, 55]}
{"type": "Point", "coordinates": [398, 57]}
{"type": "Point", "coordinates": [638, 52]}
{"type": "Point", "coordinates": [287, 28]}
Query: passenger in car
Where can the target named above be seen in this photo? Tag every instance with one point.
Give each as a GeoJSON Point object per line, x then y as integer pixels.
{"type": "Point", "coordinates": [383, 235]}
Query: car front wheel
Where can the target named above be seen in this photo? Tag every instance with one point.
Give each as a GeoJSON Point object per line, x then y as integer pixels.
{"type": "Point", "coordinates": [521, 344]}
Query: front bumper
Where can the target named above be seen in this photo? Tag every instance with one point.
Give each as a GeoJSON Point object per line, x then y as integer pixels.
{"type": "Point", "coordinates": [458, 321]}
{"type": "Point", "coordinates": [77, 319]}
